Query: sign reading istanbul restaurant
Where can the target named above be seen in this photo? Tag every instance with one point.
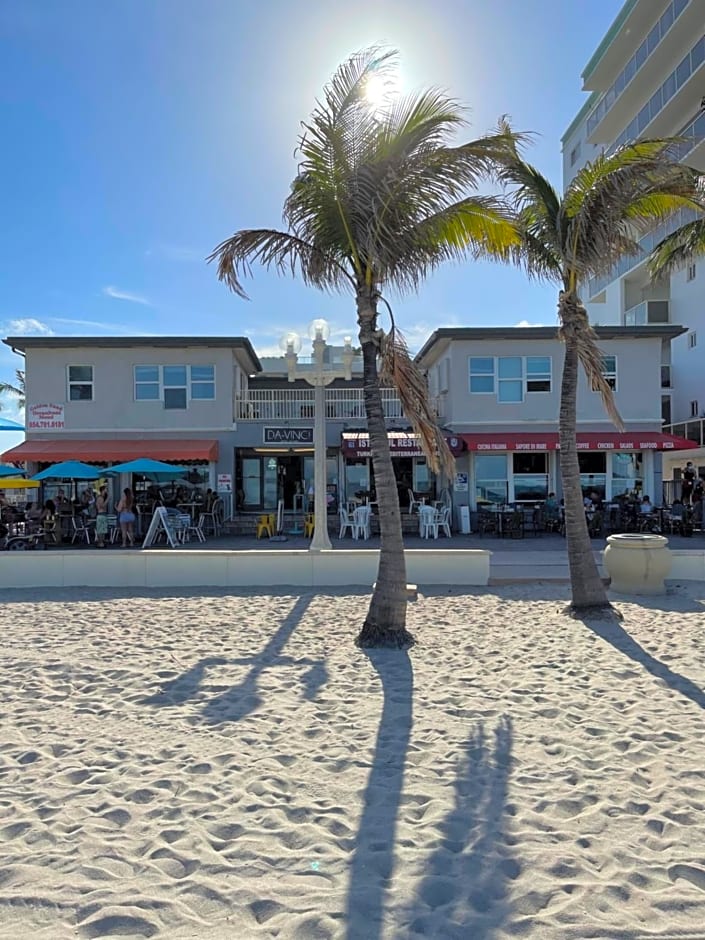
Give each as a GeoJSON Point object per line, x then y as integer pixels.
{"type": "Point", "coordinates": [288, 436]}
{"type": "Point", "coordinates": [49, 417]}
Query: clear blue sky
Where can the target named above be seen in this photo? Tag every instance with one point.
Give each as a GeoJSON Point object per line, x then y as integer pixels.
{"type": "Point", "coordinates": [138, 134]}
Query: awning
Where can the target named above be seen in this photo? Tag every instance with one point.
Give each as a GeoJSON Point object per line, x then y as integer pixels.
{"type": "Point", "coordinates": [106, 451]}
{"type": "Point", "coordinates": [401, 444]}
{"type": "Point", "coordinates": [602, 440]}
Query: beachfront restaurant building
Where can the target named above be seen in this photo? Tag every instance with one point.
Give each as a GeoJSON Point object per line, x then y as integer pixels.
{"type": "Point", "coordinates": [208, 404]}
{"type": "Point", "coordinates": [498, 391]}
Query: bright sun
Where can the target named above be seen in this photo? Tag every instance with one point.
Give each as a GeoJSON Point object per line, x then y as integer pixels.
{"type": "Point", "coordinates": [379, 91]}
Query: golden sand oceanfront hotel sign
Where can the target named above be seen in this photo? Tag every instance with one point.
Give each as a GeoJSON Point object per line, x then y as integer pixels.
{"type": "Point", "coordinates": [46, 417]}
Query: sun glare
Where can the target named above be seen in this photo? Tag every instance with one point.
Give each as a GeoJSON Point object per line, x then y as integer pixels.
{"type": "Point", "coordinates": [380, 91]}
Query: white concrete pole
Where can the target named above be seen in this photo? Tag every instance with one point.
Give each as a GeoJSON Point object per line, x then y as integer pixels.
{"type": "Point", "coordinates": [320, 541]}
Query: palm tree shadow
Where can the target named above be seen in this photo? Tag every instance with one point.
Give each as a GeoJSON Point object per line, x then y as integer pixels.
{"type": "Point", "coordinates": [610, 630]}
{"type": "Point", "coordinates": [242, 699]}
{"type": "Point", "coordinates": [464, 890]}
{"type": "Point", "coordinates": [183, 687]}
{"type": "Point", "coordinates": [373, 859]}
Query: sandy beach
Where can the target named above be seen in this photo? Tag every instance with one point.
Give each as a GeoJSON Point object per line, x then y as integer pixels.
{"type": "Point", "coordinates": [218, 765]}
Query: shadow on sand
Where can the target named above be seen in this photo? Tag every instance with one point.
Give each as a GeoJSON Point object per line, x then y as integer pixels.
{"type": "Point", "coordinates": [610, 630]}
{"type": "Point", "coordinates": [464, 890]}
{"type": "Point", "coordinates": [373, 860]}
{"type": "Point", "coordinates": [244, 697]}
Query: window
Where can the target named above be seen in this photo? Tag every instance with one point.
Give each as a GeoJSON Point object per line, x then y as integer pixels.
{"type": "Point", "coordinates": [530, 477]}
{"type": "Point", "coordinates": [574, 154]}
{"type": "Point", "coordinates": [510, 379]}
{"type": "Point", "coordinates": [482, 375]}
{"type": "Point", "coordinates": [692, 340]}
{"type": "Point", "coordinates": [175, 388]}
{"type": "Point", "coordinates": [694, 409]}
{"type": "Point", "coordinates": [627, 473]}
{"type": "Point", "coordinates": [147, 383]}
{"type": "Point", "coordinates": [538, 373]}
{"type": "Point", "coordinates": [175, 385]}
{"type": "Point", "coordinates": [609, 371]}
{"type": "Point", "coordinates": [80, 382]}
{"type": "Point", "coordinates": [203, 383]}
{"type": "Point", "coordinates": [491, 478]}
{"type": "Point", "coordinates": [593, 473]}
{"type": "Point", "coordinates": [691, 273]}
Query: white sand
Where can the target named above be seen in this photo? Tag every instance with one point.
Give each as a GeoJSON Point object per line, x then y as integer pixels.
{"type": "Point", "coordinates": [224, 766]}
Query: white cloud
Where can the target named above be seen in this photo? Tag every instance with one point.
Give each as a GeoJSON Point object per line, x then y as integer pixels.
{"type": "Point", "coordinates": [525, 323]}
{"type": "Point", "coordinates": [103, 325]}
{"type": "Point", "coordinates": [117, 294]}
{"type": "Point", "coordinates": [24, 326]}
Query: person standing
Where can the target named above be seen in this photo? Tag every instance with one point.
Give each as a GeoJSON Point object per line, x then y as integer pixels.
{"type": "Point", "coordinates": [688, 481]}
{"type": "Point", "coordinates": [126, 517]}
{"type": "Point", "coordinates": [101, 518]}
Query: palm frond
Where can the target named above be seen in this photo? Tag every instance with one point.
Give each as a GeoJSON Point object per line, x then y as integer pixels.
{"type": "Point", "coordinates": [575, 326]}
{"type": "Point", "coordinates": [281, 250]}
{"type": "Point", "coordinates": [679, 248]}
{"type": "Point", "coordinates": [399, 370]}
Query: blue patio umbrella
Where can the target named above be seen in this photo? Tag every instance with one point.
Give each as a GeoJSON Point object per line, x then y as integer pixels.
{"type": "Point", "coordinates": [69, 470]}
{"type": "Point", "coordinates": [8, 471]}
{"type": "Point", "coordinates": [155, 469]}
{"type": "Point", "coordinates": [7, 425]}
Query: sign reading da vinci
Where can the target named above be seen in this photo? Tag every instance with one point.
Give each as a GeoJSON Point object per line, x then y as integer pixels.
{"type": "Point", "coordinates": [49, 417]}
{"type": "Point", "coordinates": [288, 436]}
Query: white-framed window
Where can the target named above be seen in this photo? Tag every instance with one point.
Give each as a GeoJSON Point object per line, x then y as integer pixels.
{"type": "Point", "coordinates": [510, 379]}
{"type": "Point", "coordinates": [538, 373]}
{"type": "Point", "coordinates": [690, 276]}
{"type": "Point", "coordinates": [147, 383]}
{"type": "Point", "coordinates": [609, 371]}
{"type": "Point", "coordinates": [694, 409]}
{"type": "Point", "coordinates": [482, 375]}
{"type": "Point", "coordinates": [80, 383]}
{"type": "Point", "coordinates": [174, 385]}
{"type": "Point", "coordinates": [692, 340]}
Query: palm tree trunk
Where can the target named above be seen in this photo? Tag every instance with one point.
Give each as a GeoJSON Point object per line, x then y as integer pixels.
{"type": "Point", "coordinates": [588, 590]}
{"type": "Point", "coordinates": [385, 624]}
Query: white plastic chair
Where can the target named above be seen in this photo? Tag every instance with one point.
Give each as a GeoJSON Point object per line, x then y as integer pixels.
{"type": "Point", "coordinates": [361, 522]}
{"type": "Point", "coordinates": [346, 522]}
{"type": "Point", "coordinates": [214, 518]}
{"type": "Point", "coordinates": [442, 520]}
{"type": "Point", "coordinates": [413, 502]}
{"type": "Point", "coordinates": [81, 529]}
{"type": "Point", "coordinates": [427, 522]}
{"type": "Point", "coordinates": [194, 528]}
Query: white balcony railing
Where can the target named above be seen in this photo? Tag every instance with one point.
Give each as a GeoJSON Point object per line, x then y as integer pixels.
{"type": "Point", "coordinates": [648, 312]}
{"type": "Point", "coordinates": [693, 430]}
{"type": "Point", "coordinates": [297, 404]}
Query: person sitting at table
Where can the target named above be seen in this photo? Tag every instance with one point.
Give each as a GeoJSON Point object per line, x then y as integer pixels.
{"type": "Point", "coordinates": [62, 504]}
{"type": "Point", "coordinates": [645, 505]}
{"type": "Point", "coordinates": [48, 520]}
{"type": "Point", "coordinates": [587, 503]}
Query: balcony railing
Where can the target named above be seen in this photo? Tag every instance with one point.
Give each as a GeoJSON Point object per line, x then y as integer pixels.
{"type": "Point", "coordinates": [692, 430]}
{"type": "Point", "coordinates": [297, 404]}
{"type": "Point", "coordinates": [648, 312]}
{"type": "Point", "coordinates": [633, 66]}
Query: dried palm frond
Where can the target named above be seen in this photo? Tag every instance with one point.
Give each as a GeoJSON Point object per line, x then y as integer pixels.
{"type": "Point", "coordinates": [575, 325]}
{"type": "Point", "coordinates": [399, 370]}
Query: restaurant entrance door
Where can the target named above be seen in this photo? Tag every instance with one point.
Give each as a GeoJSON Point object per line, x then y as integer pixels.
{"type": "Point", "coordinates": [265, 478]}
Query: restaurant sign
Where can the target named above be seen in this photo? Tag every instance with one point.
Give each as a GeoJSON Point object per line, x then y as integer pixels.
{"type": "Point", "coordinates": [49, 417]}
{"type": "Point", "coordinates": [288, 436]}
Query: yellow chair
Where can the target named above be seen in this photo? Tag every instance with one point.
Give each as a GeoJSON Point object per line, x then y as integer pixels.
{"type": "Point", "coordinates": [309, 525]}
{"type": "Point", "coordinates": [265, 526]}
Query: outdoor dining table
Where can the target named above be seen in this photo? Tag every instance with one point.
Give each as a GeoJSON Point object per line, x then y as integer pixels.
{"type": "Point", "coordinates": [193, 508]}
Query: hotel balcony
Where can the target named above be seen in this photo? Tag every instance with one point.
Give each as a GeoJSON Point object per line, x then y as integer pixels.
{"type": "Point", "coordinates": [297, 404]}
{"type": "Point", "coordinates": [648, 312]}
{"type": "Point", "coordinates": [693, 430]}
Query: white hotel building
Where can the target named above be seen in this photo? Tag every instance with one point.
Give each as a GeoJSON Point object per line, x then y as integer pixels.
{"type": "Point", "coordinates": [647, 79]}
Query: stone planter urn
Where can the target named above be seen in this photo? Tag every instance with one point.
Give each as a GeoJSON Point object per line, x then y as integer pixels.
{"type": "Point", "coordinates": [637, 563]}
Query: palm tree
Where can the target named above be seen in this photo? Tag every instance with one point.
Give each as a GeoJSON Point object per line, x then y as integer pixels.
{"type": "Point", "coordinates": [7, 388]}
{"type": "Point", "coordinates": [381, 198]}
{"type": "Point", "coordinates": [678, 249]}
{"type": "Point", "coordinates": [568, 240]}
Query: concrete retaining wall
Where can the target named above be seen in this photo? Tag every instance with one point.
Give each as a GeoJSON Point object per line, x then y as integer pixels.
{"type": "Point", "coordinates": [186, 568]}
